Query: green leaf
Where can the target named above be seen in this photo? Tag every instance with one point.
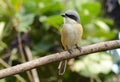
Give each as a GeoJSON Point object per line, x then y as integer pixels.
{"type": "Point", "coordinates": [106, 20]}
{"type": "Point", "coordinates": [94, 64]}
{"type": "Point", "coordinates": [25, 21]}
{"type": "Point", "coordinates": [102, 25]}
{"type": "Point", "coordinates": [49, 8]}
{"type": "Point", "coordinates": [2, 45]}
{"type": "Point", "coordinates": [3, 80]}
{"type": "Point", "coordinates": [85, 19]}
{"type": "Point", "coordinates": [2, 24]}
{"type": "Point", "coordinates": [2, 7]}
{"type": "Point", "coordinates": [16, 4]}
{"type": "Point", "coordinates": [31, 6]}
{"type": "Point", "coordinates": [119, 2]}
{"type": "Point", "coordinates": [93, 9]}
{"type": "Point", "coordinates": [54, 20]}
{"type": "Point", "coordinates": [103, 30]}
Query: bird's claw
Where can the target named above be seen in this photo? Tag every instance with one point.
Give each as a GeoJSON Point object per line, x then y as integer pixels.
{"type": "Point", "coordinates": [70, 51]}
{"type": "Point", "coordinates": [79, 48]}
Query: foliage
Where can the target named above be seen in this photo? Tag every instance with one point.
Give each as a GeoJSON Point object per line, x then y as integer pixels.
{"type": "Point", "coordinates": [100, 63]}
{"type": "Point", "coordinates": [38, 22]}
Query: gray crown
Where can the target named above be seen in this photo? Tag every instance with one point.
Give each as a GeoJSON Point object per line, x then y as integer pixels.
{"type": "Point", "coordinates": [73, 15]}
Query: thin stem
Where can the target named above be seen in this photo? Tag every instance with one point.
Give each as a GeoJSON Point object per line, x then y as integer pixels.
{"type": "Point", "coordinates": [91, 79]}
{"type": "Point", "coordinates": [15, 25]}
{"type": "Point", "coordinates": [34, 71]}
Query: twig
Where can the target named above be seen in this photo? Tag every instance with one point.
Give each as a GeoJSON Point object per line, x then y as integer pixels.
{"type": "Point", "coordinates": [102, 46]}
{"type": "Point", "coordinates": [15, 25]}
{"type": "Point", "coordinates": [98, 79]}
{"type": "Point", "coordinates": [34, 71]}
{"type": "Point", "coordinates": [20, 47]}
{"type": "Point", "coordinates": [91, 79]}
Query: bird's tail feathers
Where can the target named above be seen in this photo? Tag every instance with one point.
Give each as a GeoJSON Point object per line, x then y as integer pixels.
{"type": "Point", "coordinates": [62, 67]}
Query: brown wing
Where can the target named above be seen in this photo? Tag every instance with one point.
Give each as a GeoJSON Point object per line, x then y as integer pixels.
{"type": "Point", "coordinates": [80, 29]}
{"type": "Point", "coordinates": [63, 37]}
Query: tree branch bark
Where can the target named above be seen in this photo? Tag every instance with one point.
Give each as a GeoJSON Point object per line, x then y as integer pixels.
{"type": "Point", "coordinates": [102, 46]}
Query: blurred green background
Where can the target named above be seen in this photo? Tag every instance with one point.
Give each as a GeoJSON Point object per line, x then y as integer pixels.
{"type": "Point", "coordinates": [30, 29]}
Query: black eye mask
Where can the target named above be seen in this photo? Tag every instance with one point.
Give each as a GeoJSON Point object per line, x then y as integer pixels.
{"type": "Point", "coordinates": [72, 17]}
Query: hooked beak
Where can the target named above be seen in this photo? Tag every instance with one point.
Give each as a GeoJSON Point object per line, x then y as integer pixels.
{"type": "Point", "coordinates": [63, 15]}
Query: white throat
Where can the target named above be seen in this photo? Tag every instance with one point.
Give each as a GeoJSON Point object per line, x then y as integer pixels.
{"type": "Point", "coordinates": [68, 20]}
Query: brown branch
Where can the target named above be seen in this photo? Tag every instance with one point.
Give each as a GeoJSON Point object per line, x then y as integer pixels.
{"type": "Point", "coordinates": [17, 76]}
{"type": "Point", "coordinates": [102, 46]}
{"type": "Point", "coordinates": [20, 46]}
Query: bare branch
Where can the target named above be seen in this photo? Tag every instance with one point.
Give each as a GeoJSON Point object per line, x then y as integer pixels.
{"type": "Point", "coordinates": [17, 76]}
{"type": "Point", "coordinates": [102, 46]}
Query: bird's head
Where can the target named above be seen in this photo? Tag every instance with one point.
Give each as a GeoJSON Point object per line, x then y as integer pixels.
{"type": "Point", "coordinates": [71, 15]}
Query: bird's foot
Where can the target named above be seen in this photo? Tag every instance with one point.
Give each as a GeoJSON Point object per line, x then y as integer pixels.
{"type": "Point", "coordinates": [78, 47]}
{"type": "Point", "coordinates": [70, 51]}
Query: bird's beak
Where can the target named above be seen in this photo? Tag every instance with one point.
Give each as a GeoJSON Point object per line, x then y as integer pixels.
{"type": "Point", "coordinates": [63, 15]}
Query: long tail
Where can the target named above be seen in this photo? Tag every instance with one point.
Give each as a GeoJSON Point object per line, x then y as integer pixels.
{"type": "Point", "coordinates": [62, 67]}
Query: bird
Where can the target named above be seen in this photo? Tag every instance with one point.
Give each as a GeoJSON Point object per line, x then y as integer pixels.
{"type": "Point", "coordinates": [71, 34]}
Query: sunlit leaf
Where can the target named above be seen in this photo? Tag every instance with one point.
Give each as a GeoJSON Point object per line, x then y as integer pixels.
{"type": "Point", "coordinates": [102, 25]}
{"type": "Point", "coordinates": [54, 20]}
{"type": "Point", "coordinates": [3, 7]}
{"type": "Point", "coordinates": [3, 80]}
{"type": "Point", "coordinates": [55, 6]}
{"type": "Point", "coordinates": [17, 4]}
{"type": "Point", "coordinates": [85, 19]}
{"type": "Point", "coordinates": [94, 64]}
{"type": "Point", "coordinates": [30, 6]}
{"type": "Point", "coordinates": [2, 45]}
{"type": "Point", "coordinates": [93, 8]}
{"type": "Point", "coordinates": [25, 21]}
{"type": "Point", "coordinates": [2, 24]}
{"type": "Point", "coordinates": [119, 2]}
{"type": "Point", "coordinates": [107, 20]}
